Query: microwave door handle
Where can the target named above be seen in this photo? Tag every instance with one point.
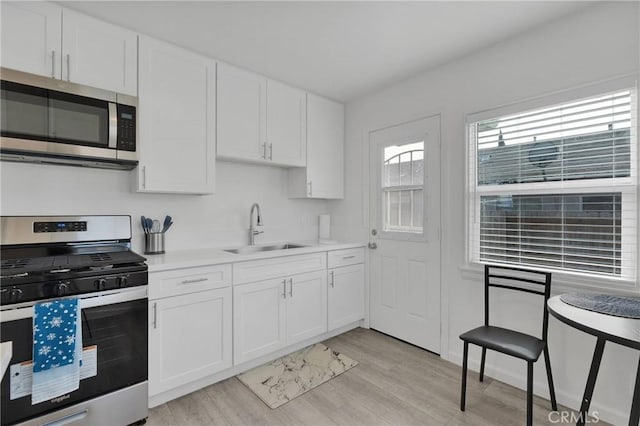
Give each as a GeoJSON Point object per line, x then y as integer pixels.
{"type": "Point", "coordinates": [113, 125]}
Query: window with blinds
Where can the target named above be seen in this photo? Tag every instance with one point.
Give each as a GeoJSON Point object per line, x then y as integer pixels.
{"type": "Point", "coordinates": [555, 187]}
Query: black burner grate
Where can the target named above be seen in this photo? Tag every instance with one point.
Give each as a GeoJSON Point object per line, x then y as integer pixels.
{"type": "Point", "coordinates": [14, 263]}
{"type": "Point", "coordinates": [101, 257]}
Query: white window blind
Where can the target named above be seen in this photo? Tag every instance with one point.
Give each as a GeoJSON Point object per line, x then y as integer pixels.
{"type": "Point", "coordinates": [556, 186]}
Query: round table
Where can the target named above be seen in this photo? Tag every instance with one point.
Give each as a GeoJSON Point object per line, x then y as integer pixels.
{"type": "Point", "coordinates": [624, 331]}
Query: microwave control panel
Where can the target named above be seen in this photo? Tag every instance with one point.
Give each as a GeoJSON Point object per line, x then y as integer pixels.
{"type": "Point", "coordinates": [126, 127]}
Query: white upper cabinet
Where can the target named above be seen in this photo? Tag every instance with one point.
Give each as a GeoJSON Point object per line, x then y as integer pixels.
{"type": "Point", "coordinates": [286, 124]}
{"type": "Point", "coordinates": [98, 54]}
{"type": "Point", "coordinates": [323, 176]}
{"type": "Point", "coordinates": [260, 120]}
{"type": "Point", "coordinates": [31, 34]}
{"type": "Point", "coordinates": [241, 122]}
{"type": "Point", "coordinates": [176, 120]}
{"type": "Point", "coordinates": [45, 39]}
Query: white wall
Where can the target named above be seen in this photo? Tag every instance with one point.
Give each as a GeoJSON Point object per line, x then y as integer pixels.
{"type": "Point", "coordinates": [221, 219]}
{"type": "Point", "coordinates": [599, 42]}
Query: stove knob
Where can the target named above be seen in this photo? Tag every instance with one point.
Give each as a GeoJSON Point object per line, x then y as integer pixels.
{"type": "Point", "coordinates": [62, 288]}
{"type": "Point", "coordinates": [100, 284]}
{"type": "Point", "coordinates": [122, 281]}
{"type": "Point", "coordinates": [15, 295]}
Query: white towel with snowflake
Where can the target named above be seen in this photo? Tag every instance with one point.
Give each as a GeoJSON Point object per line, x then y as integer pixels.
{"type": "Point", "coordinates": [57, 348]}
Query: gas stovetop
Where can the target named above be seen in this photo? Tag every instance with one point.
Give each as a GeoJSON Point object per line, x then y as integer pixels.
{"type": "Point", "coordinates": [46, 257]}
{"type": "Point", "coordinates": [16, 264]}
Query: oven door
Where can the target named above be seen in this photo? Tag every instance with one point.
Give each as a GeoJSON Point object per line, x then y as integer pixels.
{"type": "Point", "coordinates": [114, 341]}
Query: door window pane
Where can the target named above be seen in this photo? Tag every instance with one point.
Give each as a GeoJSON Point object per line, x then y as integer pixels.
{"type": "Point", "coordinates": [402, 186]}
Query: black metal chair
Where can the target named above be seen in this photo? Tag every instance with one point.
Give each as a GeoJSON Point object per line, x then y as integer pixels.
{"type": "Point", "coordinates": [510, 342]}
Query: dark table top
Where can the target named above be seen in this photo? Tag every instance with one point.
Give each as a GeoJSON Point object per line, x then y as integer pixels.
{"type": "Point", "coordinates": [625, 331]}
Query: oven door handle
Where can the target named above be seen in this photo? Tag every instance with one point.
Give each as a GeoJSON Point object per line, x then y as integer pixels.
{"type": "Point", "coordinates": [87, 301]}
{"type": "Point", "coordinates": [68, 419]}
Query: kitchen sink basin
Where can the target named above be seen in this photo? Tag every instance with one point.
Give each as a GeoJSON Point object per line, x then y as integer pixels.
{"type": "Point", "coordinates": [259, 249]}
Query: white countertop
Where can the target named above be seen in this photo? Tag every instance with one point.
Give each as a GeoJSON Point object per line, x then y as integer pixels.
{"type": "Point", "coordinates": [215, 256]}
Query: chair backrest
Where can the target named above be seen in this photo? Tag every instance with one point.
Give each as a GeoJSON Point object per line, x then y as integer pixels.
{"type": "Point", "coordinates": [518, 279]}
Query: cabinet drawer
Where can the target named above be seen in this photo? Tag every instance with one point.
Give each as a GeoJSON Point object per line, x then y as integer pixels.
{"type": "Point", "coordinates": [345, 257]}
{"type": "Point", "coordinates": [188, 280]}
{"type": "Point", "coordinates": [257, 270]}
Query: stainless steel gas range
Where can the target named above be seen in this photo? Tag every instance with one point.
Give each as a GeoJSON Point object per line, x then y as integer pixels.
{"type": "Point", "coordinates": [87, 259]}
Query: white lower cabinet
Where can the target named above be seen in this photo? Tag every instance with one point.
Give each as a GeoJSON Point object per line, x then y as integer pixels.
{"type": "Point", "coordinates": [189, 338]}
{"type": "Point", "coordinates": [306, 306]}
{"type": "Point", "coordinates": [271, 314]}
{"type": "Point", "coordinates": [258, 319]}
{"type": "Point", "coordinates": [346, 295]}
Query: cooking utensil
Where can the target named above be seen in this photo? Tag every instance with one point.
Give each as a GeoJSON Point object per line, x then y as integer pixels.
{"type": "Point", "coordinates": [143, 222]}
{"type": "Point", "coordinates": [156, 226]}
{"type": "Point", "coordinates": [167, 221]}
{"type": "Point", "coordinates": [166, 228]}
{"type": "Point", "coordinates": [149, 223]}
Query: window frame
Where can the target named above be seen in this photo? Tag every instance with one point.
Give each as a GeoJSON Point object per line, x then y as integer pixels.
{"type": "Point", "coordinates": [628, 186]}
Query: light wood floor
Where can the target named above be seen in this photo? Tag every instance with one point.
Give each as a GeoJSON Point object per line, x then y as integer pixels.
{"type": "Point", "coordinates": [395, 383]}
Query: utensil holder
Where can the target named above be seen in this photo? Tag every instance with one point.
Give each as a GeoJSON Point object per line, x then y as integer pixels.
{"type": "Point", "coordinates": [154, 243]}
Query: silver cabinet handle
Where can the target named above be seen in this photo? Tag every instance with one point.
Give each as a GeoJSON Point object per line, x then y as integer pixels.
{"type": "Point", "coordinates": [68, 67]}
{"type": "Point", "coordinates": [53, 64]}
{"type": "Point", "coordinates": [291, 287]}
{"type": "Point", "coordinates": [264, 150]}
{"type": "Point", "coordinates": [270, 151]}
{"type": "Point", "coordinates": [284, 288]}
{"type": "Point", "coordinates": [155, 314]}
{"type": "Point", "coordinates": [144, 176]}
{"type": "Point", "coordinates": [347, 257]}
{"type": "Point", "coordinates": [195, 280]}
{"type": "Point", "coordinates": [310, 185]}
{"type": "Point", "coordinates": [332, 282]}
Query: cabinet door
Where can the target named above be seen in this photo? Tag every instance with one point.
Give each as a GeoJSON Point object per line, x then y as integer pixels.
{"type": "Point", "coordinates": [324, 175]}
{"type": "Point", "coordinates": [259, 315]}
{"type": "Point", "coordinates": [241, 114]}
{"type": "Point", "coordinates": [286, 125]}
{"type": "Point", "coordinates": [189, 338]}
{"type": "Point", "coordinates": [346, 295]}
{"type": "Point", "coordinates": [176, 113]}
{"type": "Point", "coordinates": [306, 306]}
{"type": "Point", "coordinates": [31, 37]}
{"type": "Point", "coordinates": [99, 54]}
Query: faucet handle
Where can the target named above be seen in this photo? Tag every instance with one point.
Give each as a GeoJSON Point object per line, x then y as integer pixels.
{"type": "Point", "coordinates": [258, 232]}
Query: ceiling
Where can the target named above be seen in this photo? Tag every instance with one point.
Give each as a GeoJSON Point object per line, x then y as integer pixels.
{"type": "Point", "coordinates": [343, 49]}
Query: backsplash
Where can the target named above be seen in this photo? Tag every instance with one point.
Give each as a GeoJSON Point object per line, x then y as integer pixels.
{"type": "Point", "coordinates": [221, 219]}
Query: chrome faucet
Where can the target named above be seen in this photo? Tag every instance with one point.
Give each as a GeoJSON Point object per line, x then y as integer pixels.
{"type": "Point", "coordinates": [252, 231]}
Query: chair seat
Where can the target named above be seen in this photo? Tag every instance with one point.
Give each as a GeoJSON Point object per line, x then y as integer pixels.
{"type": "Point", "coordinates": [514, 343]}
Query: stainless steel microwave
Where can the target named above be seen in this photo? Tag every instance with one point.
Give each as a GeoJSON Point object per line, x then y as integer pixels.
{"type": "Point", "coordinates": [52, 121]}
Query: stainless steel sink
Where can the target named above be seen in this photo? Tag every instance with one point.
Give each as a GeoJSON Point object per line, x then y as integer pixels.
{"type": "Point", "coordinates": [258, 249]}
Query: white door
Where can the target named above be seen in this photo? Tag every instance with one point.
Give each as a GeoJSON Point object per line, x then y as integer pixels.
{"type": "Point", "coordinates": [99, 54]}
{"type": "Point", "coordinates": [31, 37]}
{"type": "Point", "coordinates": [259, 318]}
{"type": "Point", "coordinates": [306, 306]}
{"type": "Point", "coordinates": [286, 124]}
{"type": "Point", "coordinates": [241, 114]}
{"type": "Point", "coordinates": [405, 226]}
{"type": "Point", "coordinates": [176, 117]}
{"type": "Point", "coordinates": [346, 295]}
{"type": "Point", "coordinates": [189, 338]}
